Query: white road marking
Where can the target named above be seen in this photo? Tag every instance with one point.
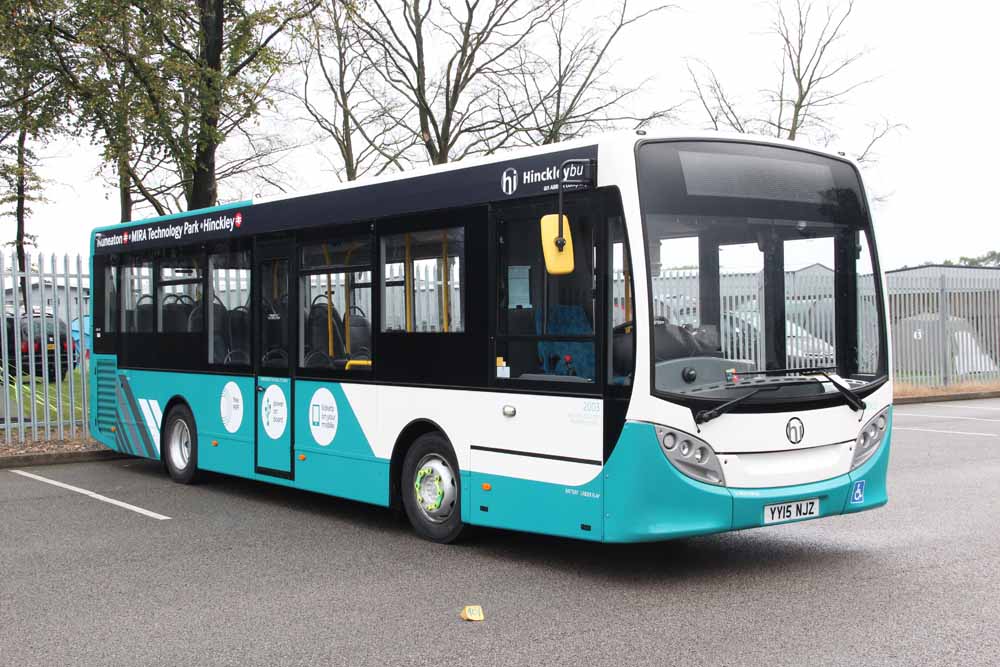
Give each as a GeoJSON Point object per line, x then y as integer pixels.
{"type": "Point", "coordinates": [972, 419]}
{"type": "Point", "coordinates": [91, 494]}
{"type": "Point", "coordinates": [931, 430]}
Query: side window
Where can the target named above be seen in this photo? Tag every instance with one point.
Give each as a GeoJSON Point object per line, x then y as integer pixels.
{"type": "Point", "coordinates": [622, 333]}
{"type": "Point", "coordinates": [137, 296]}
{"type": "Point", "coordinates": [335, 288]}
{"type": "Point", "coordinates": [227, 315]}
{"type": "Point", "coordinates": [424, 281]}
{"type": "Point", "coordinates": [179, 302]}
{"type": "Point", "coordinates": [109, 318]}
{"type": "Point", "coordinates": [545, 321]}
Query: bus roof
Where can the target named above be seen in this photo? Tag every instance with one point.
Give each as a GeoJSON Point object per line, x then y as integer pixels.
{"type": "Point", "coordinates": [586, 147]}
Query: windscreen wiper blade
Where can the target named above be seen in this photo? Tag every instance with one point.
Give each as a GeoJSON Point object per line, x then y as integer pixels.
{"type": "Point", "coordinates": [703, 416]}
{"type": "Point", "coordinates": [853, 400]}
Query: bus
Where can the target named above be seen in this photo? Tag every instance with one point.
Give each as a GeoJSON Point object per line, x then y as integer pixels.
{"type": "Point", "coordinates": [605, 339]}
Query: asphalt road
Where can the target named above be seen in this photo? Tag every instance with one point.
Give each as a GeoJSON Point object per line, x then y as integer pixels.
{"type": "Point", "coordinates": [247, 573]}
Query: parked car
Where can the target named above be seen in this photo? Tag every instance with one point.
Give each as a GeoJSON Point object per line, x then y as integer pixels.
{"type": "Point", "coordinates": [32, 346]}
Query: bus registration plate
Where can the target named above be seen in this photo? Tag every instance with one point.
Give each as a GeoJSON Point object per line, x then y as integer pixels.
{"type": "Point", "coordinates": [800, 509]}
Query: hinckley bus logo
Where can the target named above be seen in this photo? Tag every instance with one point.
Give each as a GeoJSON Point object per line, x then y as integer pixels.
{"type": "Point", "coordinates": [171, 231]}
{"type": "Point", "coordinates": [508, 182]}
{"type": "Point", "coordinates": [573, 175]}
{"type": "Point", "coordinates": [795, 430]}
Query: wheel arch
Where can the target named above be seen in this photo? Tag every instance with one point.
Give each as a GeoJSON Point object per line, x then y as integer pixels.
{"type": "Point", "coordinates": [404, 441]}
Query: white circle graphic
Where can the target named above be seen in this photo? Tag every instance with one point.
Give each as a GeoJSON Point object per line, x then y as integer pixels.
{"type": "Point", "coordinates": [274, 412]}
{"type": "Point", "coordinates": [231, 407]}
{"type": "Point", "coordinates": [323, 417]}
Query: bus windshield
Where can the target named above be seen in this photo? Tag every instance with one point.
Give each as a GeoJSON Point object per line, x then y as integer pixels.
{"type": "Point", "coordinates": [761, 271]}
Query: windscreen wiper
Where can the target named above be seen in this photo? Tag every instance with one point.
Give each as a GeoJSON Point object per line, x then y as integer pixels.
{"type": "Point", "coordinates": [853, 400]}
{"type": "Point", "coordinates": [703, 416]}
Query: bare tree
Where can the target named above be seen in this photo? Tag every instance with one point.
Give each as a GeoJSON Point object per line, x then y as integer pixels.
{"type": "Point", "coordinates": [571, 90]}
{"type": "Point", "coordinates": [443, 61]}
{"type": "Point", "coordinates": [816, 73]}
{"type": "Point", "coordinates": [348, 105]}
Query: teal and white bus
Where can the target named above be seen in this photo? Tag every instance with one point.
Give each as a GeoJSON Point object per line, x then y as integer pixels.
{"type": "Point", "coordinates": [604, 339]}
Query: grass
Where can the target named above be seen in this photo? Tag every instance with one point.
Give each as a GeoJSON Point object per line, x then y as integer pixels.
{"type": "Point", "coordinates": [72, 404]}
{"type": "Point", "coordinates": [907, 389]}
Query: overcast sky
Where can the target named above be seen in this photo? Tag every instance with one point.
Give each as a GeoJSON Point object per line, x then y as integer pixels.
{"type": "Point", "coordinates": [936, 67]}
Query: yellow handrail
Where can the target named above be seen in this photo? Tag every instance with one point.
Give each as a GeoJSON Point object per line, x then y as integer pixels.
{"type": "Point", "coordinates": [357, 363]}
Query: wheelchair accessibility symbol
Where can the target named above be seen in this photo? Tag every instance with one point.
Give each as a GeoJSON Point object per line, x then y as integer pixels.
{"type": "Point", "coordinates": [858, 492]}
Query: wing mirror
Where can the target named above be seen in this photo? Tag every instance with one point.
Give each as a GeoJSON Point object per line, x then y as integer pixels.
{"type": "Point", "coordinates": [557, 244]}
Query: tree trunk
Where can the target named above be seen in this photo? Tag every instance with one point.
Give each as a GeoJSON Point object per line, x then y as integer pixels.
{"type": "Point", "coordinates": [20, 194]}
{"type": "Point", "coordinates": [204, 188]}
{"type": "Point", "coordinates": [124, 187]}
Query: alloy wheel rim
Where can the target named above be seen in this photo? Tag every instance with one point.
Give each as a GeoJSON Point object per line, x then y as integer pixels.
{"type": "Point", "coordinates": [435, 488]}
{"type": "Point", "coordinates": [180, 444]}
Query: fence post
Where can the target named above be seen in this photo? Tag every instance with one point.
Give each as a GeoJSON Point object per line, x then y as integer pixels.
{"type": "Point", "coordinates": [945, 347]}
{"type": "Point", "coordinates": [70, 350]}
{"type": "Point", "coordinates": [84, 360]}
{"type": "Point", "coordinates": [8, 376]}
{"type": "Point", "coordinates": [18, 366]}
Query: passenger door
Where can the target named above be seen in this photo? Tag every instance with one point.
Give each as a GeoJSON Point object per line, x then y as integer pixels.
{"type": "Point", "coordinates": [274, 354]}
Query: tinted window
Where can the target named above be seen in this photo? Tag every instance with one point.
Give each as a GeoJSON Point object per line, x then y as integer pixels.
{"type": "Point", "coordinates": [137, 296]}
{"type": "Point", "coordinates": [227, 317]}
{"type": "Point", "coordinates": [336, 304]}
{"type": "Point", "coordinates": [424, 275]}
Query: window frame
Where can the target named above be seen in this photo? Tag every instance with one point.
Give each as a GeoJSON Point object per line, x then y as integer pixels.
{"type": "Point", "coordinates": [599, 208]}
{"type": "Point", "coordinates": [428, 224]}
{"type": "Point", "coordinates": [198, 253]}
{"type": "Point", "coordinates": [364, 231]}
{"type": "Point", "coordinates": [107, 342]}
{"type": "Point", "coordinates": [229, 247]}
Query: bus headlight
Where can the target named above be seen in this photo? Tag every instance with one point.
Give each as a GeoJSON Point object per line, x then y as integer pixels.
{"type": "Point", "coordinates": [870, 438]}
{"type": "Point", "coordinates": [693, 457]}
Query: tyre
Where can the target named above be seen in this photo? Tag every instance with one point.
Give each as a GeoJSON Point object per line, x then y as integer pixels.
{"type": "Point", "coordinates": [432, 490]}
{"type": "Point", "coordinates": [180, 445]}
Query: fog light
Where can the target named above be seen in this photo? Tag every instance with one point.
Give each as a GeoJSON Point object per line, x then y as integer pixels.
{"type": "Point", "coordinates": [669, 441]}
{"type": "Point", "coordinates": [685, 448]}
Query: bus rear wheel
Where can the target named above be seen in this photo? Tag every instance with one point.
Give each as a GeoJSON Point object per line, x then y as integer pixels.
{"type": "Point", "coordinates": [180, 440]}
{"type": "Point", "coordinates": [432, 489]}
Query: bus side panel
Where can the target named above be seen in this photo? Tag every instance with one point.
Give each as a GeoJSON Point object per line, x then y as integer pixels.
{"type": "Point", "coordinates": [537, 507]}
{"type": "Point", "coordinates": [338, 457]}
{"type": "Point", "coordinates": [223, 412]}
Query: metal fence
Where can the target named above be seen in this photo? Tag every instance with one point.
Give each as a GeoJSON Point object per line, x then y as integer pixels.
{"type": "Point", "coordinates": [945, 324]}
{"type": "Point", "coordinates": [945, 321]}
{"type": "Point", "coordinates": [43, 347]}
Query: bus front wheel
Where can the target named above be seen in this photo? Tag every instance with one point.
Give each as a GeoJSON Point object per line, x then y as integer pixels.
{"type": "Point", "coordinates": [431, 489]}
{"type": "Point", "coordinates": [181, 445]}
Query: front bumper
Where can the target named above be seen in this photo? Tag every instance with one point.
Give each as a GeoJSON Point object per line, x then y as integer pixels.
{"type": "Point", "coordinates": [647, 499]}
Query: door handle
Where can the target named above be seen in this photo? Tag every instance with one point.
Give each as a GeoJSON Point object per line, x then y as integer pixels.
{"type": "Point", "coordinates": [509, 411]}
